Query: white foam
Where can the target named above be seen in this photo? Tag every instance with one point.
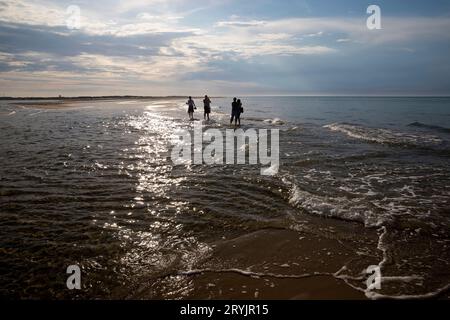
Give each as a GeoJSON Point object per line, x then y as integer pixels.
{"type": "Point", "coordinates": [270, 171]}
{"type": "Point", "coordinates": [274, 121]}
{"type": "Point", "coordinates": [370, 294]}
{"type": "Point", "coordinates": [337, 207]}
{"type": "Point", "coordinates": [374, 295]}
{"type": "Point", "coordinates": [382, 135]}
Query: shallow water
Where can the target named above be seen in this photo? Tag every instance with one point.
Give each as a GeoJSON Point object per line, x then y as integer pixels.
{"type": "Point", "coordinates": [92, 184]}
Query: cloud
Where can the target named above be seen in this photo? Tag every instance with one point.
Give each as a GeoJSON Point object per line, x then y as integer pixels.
{"type": "Point", "coordinates": [238, 48]}
{"type": "Point", "coordinates": [317, 34]}
{"type": "Point", "coordinates": [394, 29]}
{"type": "Point", "coordinates": [159, 68]}
{"type": "Point", "coordinates": [164, 43]}
{"type": "Point", "coordinates": [236, 23]}
{"type": "Point", "coordinates": [21, 11]}
{"type": "Point", "coordinates": [153, 17]}
{"type": "Point", "coordinates": [16, 38]}
{"type": "Point", "coordinates": [128, 5]}
{"type": "Point", "coordinates": [104, 21]}
{"type": "Point", "coordinates": [274, 36]}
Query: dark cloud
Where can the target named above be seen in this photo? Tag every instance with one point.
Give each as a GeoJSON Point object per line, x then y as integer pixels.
{"type": "Point", "coordinates": [370, 71]}
{"type": "Point", "coordinates": [5, 67]}
{"type": "Point", "coordinates": [18, 38]}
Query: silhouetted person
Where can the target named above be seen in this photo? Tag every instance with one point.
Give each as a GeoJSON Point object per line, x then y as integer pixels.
{"type": "Point", "coordinates": [191, 107]}
{"type": "Point", "coordinates": [240, 110]}
{"type": "Point", "coordinates": [207, 107]}
{"type": "Point", "coordinates": [235, 112]}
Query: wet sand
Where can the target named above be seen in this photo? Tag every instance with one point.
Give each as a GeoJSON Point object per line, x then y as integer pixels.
{"type": "Point", "coordinates": [76, 102]}
{"type": "Point", "coordinates": [283, 262]}
{"type": "Point", "coordinates": [274, 264]}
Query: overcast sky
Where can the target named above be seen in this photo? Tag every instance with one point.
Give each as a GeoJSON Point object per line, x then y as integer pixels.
{"type": "Point", "coordinates": [224, 47]}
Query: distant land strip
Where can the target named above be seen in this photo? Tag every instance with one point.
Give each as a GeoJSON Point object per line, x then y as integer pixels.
{"type": "Point", "coordinates": [98, 98]}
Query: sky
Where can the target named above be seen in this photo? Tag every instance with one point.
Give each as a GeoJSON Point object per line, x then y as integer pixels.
{"type": "Point", "coordinates": [223, 47]}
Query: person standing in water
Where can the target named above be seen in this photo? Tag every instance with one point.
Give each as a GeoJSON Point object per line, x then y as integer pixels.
{"type": "Point", "coordinates": [191, 107]}
{"type": "Point", "coordinates": [207, 107]}
{"type": "Point", "coordinates": [235, 112]}
{"type": "Point", "coordinates": [240, 110]}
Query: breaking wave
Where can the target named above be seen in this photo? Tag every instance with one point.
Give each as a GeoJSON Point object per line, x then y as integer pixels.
{"type": "Point", "coordinates": [385, 136]}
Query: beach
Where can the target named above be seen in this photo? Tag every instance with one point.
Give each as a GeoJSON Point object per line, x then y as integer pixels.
{"type": "Point", "coordinates": [362, 181]}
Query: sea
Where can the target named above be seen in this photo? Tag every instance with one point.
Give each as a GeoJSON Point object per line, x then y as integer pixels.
{"type": "Point", "coordinates": [92, 184]}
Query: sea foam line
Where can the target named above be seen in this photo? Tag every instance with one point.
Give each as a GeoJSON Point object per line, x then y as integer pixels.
{"type": "Point", "coordinates": [370, 294]}
{"type": "Point", "coordinates": [253, 274]}
{"type": "Point", "coordinates": [345, 278]}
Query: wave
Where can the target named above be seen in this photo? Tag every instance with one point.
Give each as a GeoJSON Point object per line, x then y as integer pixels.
{"type": "Point", "coordinates": [361, 200]}
{"type": "Point", "coordinates": [429, 126]}
{"type": "Point", "coordinates": [6, 113]}
{"type": "Point", "coordinates": [398, 230]}
{"type": "Point", "coordinates": [274, 121]}
{"type": "Point", "coordinates": [384, 136]}
{"type": "Point", "coordinates": [337, 207]}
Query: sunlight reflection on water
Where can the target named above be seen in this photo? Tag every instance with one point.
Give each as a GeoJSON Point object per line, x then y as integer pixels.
{"type": "Point", "coordinates": [163, 243]}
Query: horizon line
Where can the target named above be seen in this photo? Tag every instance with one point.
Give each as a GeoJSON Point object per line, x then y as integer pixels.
{"type": "Point", "coordinates": [60, 97]}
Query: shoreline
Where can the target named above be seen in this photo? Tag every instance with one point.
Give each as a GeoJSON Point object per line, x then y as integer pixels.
{"type": "Point", "coordinates": [55, 103]}
{"type": "Point", "coordinates": [99, 98]}
{"type": "Point", "coordinates": [316, 262]}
